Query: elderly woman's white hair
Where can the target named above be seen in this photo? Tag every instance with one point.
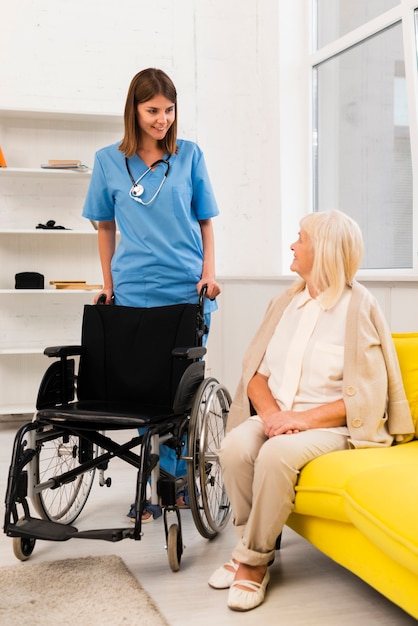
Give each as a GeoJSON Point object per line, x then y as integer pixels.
{"type": "Point", "coordinates": [337, 243]}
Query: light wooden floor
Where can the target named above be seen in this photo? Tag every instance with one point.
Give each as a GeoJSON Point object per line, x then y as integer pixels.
{"type": "Point", "coordinates": [306, 587]}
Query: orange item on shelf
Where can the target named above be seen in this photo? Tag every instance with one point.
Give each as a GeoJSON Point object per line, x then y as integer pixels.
{"type": "Point", "coordinates": [2, 159]}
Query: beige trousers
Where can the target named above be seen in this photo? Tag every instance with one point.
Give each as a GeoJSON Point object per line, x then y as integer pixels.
{"type": "Point", "coordinates": [260, 475]}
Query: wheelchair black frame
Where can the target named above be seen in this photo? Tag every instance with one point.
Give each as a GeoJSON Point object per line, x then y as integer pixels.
{"type": "Point", "coordinates": [28, 529]}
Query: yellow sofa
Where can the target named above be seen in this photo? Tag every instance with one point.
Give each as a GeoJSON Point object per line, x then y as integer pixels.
{"type": "Point", "coordinates": [360, 507]}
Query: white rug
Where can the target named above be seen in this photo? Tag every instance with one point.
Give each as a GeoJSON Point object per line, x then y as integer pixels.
{"type": "Point", "coordinates": [89, 591]}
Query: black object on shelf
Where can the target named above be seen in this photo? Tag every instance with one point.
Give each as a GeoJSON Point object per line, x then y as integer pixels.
{"type": "Point", "coordinates": [51, 225]}
{"type": "Point", "coordinates": [29, 280]}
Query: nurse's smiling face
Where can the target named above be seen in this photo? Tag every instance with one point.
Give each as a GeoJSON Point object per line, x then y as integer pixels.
{"type": "Point", "coordinates": [155, 117]}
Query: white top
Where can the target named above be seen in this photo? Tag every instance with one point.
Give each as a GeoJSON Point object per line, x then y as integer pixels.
{"type": "Point", "coordinates": [304, 358]}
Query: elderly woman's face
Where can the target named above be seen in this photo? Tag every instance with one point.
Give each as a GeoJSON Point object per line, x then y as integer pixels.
{"type": "Point", "coordinates": [303, 256]}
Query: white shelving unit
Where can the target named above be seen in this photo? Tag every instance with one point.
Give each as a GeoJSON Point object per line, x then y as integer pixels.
{"type": "Point", "coordinates": [31, 319]}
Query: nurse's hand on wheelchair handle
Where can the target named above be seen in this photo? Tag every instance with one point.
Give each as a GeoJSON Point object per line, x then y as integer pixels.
{"type": "Point", "coordinates": [209, 289]}
{"type": "Point", "coordinates": [104, 297]}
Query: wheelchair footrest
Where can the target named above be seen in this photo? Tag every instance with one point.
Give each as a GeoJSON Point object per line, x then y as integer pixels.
{"type": "Point", "coordinates": [32, 528]}
{"type": "Point", "coordinates": [108, 534]}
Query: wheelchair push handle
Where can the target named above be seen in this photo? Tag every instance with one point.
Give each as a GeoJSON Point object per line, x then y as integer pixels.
{"type": "Point", "coordinates": [102, 298]}
{"type": "Point", "coordinates": [202, 296]}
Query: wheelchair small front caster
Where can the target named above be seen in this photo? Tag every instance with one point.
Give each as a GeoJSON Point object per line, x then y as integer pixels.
{"type": "Point", "coordinates": [23, 546]}
{"type": "Point", "coordinates": [174, 547]}
{"type": "Point", "coordinates": [107, 482]}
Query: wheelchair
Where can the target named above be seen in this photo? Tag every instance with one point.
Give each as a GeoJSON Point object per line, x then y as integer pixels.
{"type": "Point", "coordinates": [136, 368]}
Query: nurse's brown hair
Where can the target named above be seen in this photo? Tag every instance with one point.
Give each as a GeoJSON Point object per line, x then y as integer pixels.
{"type": "Point", "coordinates": [144, 86]}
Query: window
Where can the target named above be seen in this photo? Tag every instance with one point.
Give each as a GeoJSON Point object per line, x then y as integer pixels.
{"type": "Point", "coordinates": [362, 153]}
{"type": "Point", "coordinates": [338, 17]}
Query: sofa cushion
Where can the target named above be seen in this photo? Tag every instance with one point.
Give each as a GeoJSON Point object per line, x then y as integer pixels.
{"type": "Point", "coordinates": [382, 502]}
{"type": "Point", "coordinates": [321, 489]}
{"type": "Point", "coordinates": [406, 345]}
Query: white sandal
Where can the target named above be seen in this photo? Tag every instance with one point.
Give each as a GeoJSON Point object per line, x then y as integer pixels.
{"type": "Point", "coordinates": [241, 600]}
{"type": "Point", "coordinates": [222, 578]}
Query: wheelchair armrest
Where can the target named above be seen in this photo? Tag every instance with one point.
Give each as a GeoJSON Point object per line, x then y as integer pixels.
{"type": "Point", "coordinates": [189, 353]}
{"type": "Point", "coordinates": [58, 384]}
{"type": "Point", "coordinates": [63, 351]}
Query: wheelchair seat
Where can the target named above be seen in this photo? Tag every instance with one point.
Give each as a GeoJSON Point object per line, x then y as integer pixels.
{"type": "Point", "coordinates": [136, 368]}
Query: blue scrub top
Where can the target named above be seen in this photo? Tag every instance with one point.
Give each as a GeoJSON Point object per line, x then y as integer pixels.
{"type": "Point", "coordinates": [159, 258]}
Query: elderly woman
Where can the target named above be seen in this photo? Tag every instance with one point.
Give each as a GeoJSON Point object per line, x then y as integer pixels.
{"type": "Point", "coordinates": [320, 375]}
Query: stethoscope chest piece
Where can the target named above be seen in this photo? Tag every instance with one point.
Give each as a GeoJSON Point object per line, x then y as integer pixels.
{"type": "Point", "coordinates": [137, 190]}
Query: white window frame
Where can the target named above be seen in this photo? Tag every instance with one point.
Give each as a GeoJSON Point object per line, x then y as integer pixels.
{"type": "Point", "coordinates": [403, 13]}
{"type": "Point", "coordinates": [297, 61]}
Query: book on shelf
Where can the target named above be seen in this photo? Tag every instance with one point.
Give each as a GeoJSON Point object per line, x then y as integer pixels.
{"type": "Point", "coordinates": [64, 164]}
{"type": "Point", "coordinates": [73, 284]}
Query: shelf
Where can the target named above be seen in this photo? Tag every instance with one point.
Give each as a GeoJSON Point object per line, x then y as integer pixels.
{"type": "Point", "coordinates": [26, 350]}
{"type": "Point", "coordinates": [66, 116]}
{"type": "Point", "coordinates": [45, 292]}
{"type": "Point", "coordinates": [32, 319]}
{"type": "Point", "coordinates": [47, 231]}
{"type": "Point", "coordinates": [17, 409]}
{"type": "Point", "coordinates": [39, 171]}
{"type": "Point", "coordinates": [16, 351]}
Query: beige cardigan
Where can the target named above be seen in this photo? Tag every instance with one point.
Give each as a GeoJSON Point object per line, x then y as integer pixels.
{"type": "Point", "coordinates": [373, 393]}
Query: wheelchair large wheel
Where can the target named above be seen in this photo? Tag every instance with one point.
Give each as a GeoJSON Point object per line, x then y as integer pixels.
{"type": "Point", "coordinates": [59, 452]}
{"type": "Point", "coordinates": [208, 500]}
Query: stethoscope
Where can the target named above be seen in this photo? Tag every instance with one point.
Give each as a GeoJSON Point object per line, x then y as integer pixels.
{"type": "Point", "coordinates": [137, 189]}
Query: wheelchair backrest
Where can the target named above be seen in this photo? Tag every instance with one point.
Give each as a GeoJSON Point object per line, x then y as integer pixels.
{"type": "Point", "coordinates": [127, 352]}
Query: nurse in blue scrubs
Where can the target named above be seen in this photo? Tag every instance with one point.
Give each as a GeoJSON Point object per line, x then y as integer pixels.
{"type": "Point", "coordinates": [155, 190]}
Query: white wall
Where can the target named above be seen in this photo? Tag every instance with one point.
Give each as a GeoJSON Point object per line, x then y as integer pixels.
{"type": "Point", "coordinates": [240, 67]}
{"type": "Point", "coordinates": [223, 57]}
